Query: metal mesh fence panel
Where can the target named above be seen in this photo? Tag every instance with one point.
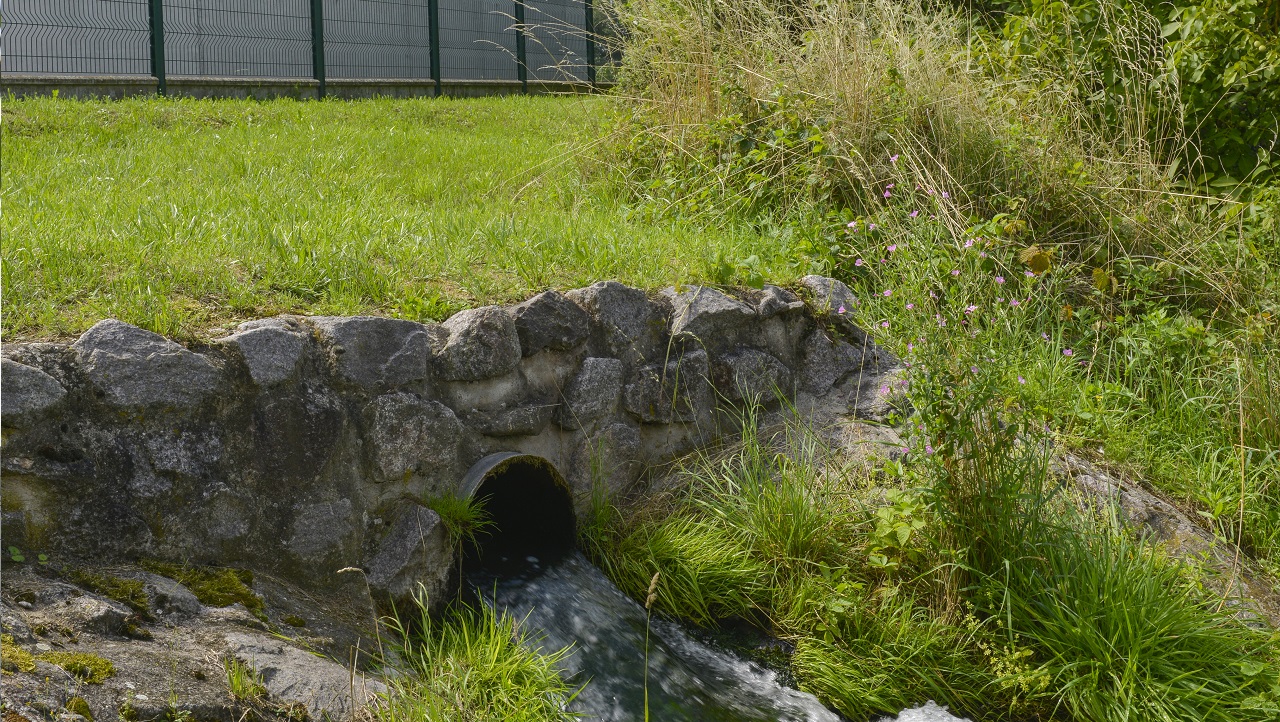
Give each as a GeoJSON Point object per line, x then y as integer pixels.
{"type": "Point", "coordinates": [251, 38]}
{"type": "Point", "coordinates": [477, 41]}
{"type": "Point", "coordinates": [362, 39]}
{"type": "Point", "coordinates": [555, 43]}
{"type": "Point", "coordinates": [103, 37]}
{"type": "Point", "coordinates": [377, 39]}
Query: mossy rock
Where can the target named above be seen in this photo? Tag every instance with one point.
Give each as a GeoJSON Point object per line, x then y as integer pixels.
{"type": "Point", "coordinates": [130, 592]}
{"type": "Point", "coordinates": [86, 667]}
{"type": "Point", "coordinates": [213, 586]}
{"type": "Point", "coordinates": [294, 620]}
{"type": "Point", "coordinates": [14, 658]}
{"type": "Point", "coordinates": [79, 706]}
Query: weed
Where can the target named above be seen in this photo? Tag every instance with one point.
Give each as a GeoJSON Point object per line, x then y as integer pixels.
{"type": "Point", "coordinates": [244, 682]}
{"type": "Point", "coordinates": [473, 664]}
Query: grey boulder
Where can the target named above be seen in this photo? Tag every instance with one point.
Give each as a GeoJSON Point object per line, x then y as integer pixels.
{"type": "Point", "coordinates": [135, 368]}
{"type": "Point", "coordinates": [327, 689]}
{"type": "Point", "coordinates": [774, 301]}
{"type": "Point", "coordinates": [482, 343]}
{"type": "Point", "coordinates": [550, 320]}
{"type": "Point", "coordinates": [753, 375]}
{"type": "Point", "coordinates": [824, 362]}
{"type": "Point", "coordinates": [379, 353]}
{"type": "Point", "coordinates": [708, 315]}
{"type": "Point", "coordinates": [416, 550]}
{"type": "Point", "coordinates": [411, 436]}
{"type": "Point", "coordinates": [593, 393]}
{"type": "Point", "coordinates": [271, 348]}
{"type": "Point", "coordinates": [677, 391]}
{"type": "Point", "coordinates": [630, 326]}
{"type": "Point", "coordinates": [26, 392]}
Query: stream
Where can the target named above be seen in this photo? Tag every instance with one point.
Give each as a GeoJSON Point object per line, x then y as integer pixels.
{"type": "Point", "coordinates": [569, 602]}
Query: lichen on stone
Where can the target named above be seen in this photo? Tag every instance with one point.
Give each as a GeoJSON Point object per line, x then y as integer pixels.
{"type": "Point", "coordinates": [214, 586]}
{"type": "Point", "coordinates": [87, 667]}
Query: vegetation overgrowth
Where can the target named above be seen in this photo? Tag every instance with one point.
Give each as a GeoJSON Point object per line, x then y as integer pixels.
{"type": "Point", "coordinates": [875, 142]}
{"type": "Point", "coordinates": [1044, 238]}
{"type": "Point", "coordinates": [473, 663]}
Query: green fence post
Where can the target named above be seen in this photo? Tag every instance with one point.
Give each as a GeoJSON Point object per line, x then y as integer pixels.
{"type": "Point", "coordinates": [317, 45]}
{"type": "Point", "coordinates": [522, 70]}
{"type": "Point", "coordinates": [589, 28]}
{"type": "Point", "coordinates": [433, 30]}
{"type": "Point", "coordinates": [155, 19]}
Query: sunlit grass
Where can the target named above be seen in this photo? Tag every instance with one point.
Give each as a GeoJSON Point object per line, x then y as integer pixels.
{"type": "Point", "coordinates": [183, 216]}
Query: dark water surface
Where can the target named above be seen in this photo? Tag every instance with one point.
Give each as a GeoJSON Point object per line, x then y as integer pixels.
{"type": "Point", "coordinates": [570, 603]}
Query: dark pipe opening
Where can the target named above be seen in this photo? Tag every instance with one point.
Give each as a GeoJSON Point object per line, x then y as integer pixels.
{"type": "Point", "coordinates": [530, 512]}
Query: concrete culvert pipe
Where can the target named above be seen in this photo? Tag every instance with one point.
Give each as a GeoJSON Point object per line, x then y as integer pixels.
{"type": "Point", "coordinates": [529, 508]}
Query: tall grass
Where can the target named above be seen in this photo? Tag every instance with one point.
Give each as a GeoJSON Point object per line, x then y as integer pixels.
{"type": "Point", "coordinates": [881, 142]}
{"type": "Point", "coordinates": [1008, 600]}
{"type": "Point", "coordinates": [472, 664]}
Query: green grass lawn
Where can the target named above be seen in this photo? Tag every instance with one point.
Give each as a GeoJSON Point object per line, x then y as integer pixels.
{"type": "Point", "coordinates": [185, 217]}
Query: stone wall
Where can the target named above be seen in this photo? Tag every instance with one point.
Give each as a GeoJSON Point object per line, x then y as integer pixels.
{"type": "Point", "coordinates": [302, 445]}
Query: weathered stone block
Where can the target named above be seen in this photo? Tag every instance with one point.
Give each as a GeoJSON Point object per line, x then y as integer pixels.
{"type": "Point", "coordinates": [411, 436]}
{"type": "Point", "coordinates": [824, 362]}
{"type": "Point", "coordinates": [328, 690]}
{"type": "Point", "coordinates": [271, 348]}
{"type": "Point", "coordinates": [752, 374]}
{"type": "Point", "coordinates": [321, 529]}
{"type": "Point", "coordinates": [379, 353]}
{"type": "Point", "coordinates": [550, 320]}
{"type": "Point", "coordinates": [518, 421]}
{"type": "Point", "coordinates": [774, 301]}
{"type": "Point", "coordinates": [482, 343]}
{"type": "Point", "coordinates": [833, 302]}
{"type": "Point", "coordinates": [631, 327]}
{"type": "Point", "coordinates": [593, 393]}
{"type": "Point", "coordinates": [136, 368]}
{"type": "Point", "coordinates": [416, 549]}
{"type": "Point", "coordinates": [709, 316]}
{"type": "Point", "coordinates": [27, 392]}
{"type": "Point", "coordinates": [678, 391]}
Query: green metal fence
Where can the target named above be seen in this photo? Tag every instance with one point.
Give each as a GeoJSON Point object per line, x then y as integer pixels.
{"type": "Point", "coordinates": [431, 41]}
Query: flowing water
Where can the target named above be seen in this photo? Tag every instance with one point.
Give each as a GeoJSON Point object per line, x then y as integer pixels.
{"type": "Point", "coordinates": [568, 602]}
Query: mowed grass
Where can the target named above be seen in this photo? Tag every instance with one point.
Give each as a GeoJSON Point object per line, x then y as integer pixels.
{"type": "Point", "coordinates": [185, 216]}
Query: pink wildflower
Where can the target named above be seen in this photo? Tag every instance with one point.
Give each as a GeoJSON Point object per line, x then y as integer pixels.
{"type": "Point", "coordinates": [884, 324]}
{"type": "Point", "coordinates": [884, 389]}
{"type": "Point", "coordinates": [871, 227]}
{"type": "Point", "coordinates": [1068, 352]}
{"type": "Point", "coordinates": [853, 225]}
{"type": "Point", "coordinates": [1044, 336]}
{"type": "Point", "coordinates": [910, 306]}
{"type": "Point", "coordinates": [973, 369]}
{"type": "Point", "coordinates": [968, 243]}
{"type": "Point", "coordinates": [969, 309]}
{"type": "Point", "coordinates": [928, 448]}
{"type": "Point", "coordinates": [1015, 302]}
{"type": "Point", "coordinates": [946, 194]}
{"type": "Point", "coordinates": [858, 262]}
{"type": "Point", "coordinates": [913, 214]}
{"type": "Point", "coordinates": [893, 158]}
{"type": "Point", "coordinates": [999, 279]}
{"type": "Point", "coordinates": [1029, 274]}
{"type": "Point", "coordinates": [888, 292]}
{"type": "Point", "coordinates": [1022, 380]}
{"type": "Point", "coordinates": [893, 248]}
{"type": "Point", "coordinates": [955, 272]}
{"type": "Point", "coordinates": [841, 311]}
